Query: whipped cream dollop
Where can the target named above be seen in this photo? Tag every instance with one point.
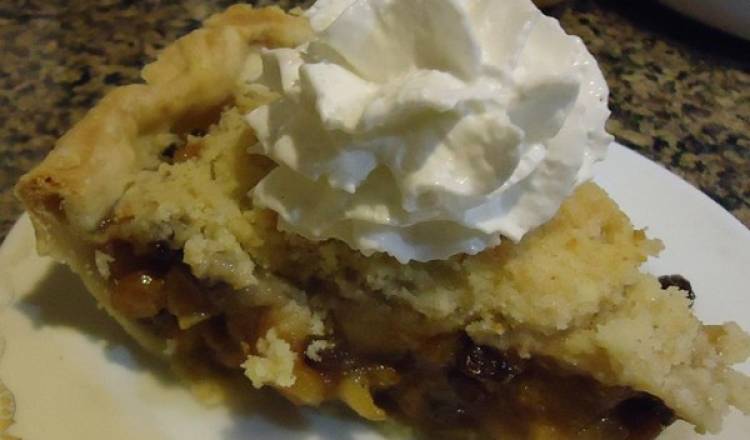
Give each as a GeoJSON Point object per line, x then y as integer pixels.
{"type": "Point", "coordinates": [428, 128]}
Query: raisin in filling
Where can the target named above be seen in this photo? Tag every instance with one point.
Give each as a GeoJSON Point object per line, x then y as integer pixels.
{"type": "Point", "coordinates": [447, 386]}
{"type": "Point", "coordinates": [681, 283]}
{"type": "Point", "coordinates": [452, 387]}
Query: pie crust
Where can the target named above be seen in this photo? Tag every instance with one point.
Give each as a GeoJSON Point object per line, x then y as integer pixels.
{"type": "Point", "coordinates": [557, 336]}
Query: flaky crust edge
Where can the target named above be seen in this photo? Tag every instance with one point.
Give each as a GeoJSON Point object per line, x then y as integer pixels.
{"type": "Point", "coordinates": [69, 193]}
{"type": "Point", "coordinates": [92, 164]}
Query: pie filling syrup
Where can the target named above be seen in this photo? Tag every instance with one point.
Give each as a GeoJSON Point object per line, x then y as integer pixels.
{"type": "Point", "coordinates": [448, 386]}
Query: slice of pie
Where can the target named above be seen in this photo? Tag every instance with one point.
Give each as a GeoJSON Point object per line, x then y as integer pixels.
{"type": "Point", "coordinates": [557, 336]}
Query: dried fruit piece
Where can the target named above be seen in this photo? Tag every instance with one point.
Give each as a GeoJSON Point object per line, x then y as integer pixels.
{"type": "Point", "coordinates": [680, 282]}
{"type": "Point", "coordinates": [139, 295]}
{"type": "Point", "coordinates": [480, 362]}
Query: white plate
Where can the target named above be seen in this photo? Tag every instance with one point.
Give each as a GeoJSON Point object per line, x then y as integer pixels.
{"type": "Point", "coordinates": [76, 375]}
{"type": "Point", "coordinates": [732, 16]}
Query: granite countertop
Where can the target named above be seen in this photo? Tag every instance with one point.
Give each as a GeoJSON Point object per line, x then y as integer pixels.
{"type": "Point", "coordinates": [680, 93]}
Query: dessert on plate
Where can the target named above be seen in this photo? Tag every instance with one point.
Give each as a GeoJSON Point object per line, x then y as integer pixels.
{"type": "Point", "coordinates": [385, 204]}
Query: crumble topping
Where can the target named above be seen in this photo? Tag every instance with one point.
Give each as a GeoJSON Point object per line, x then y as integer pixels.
{"type": "Point", "coordinates": [190, 204]}
{"type": "Point", "coordinates": [313, 351]}
{"type": "Point", "coordinates": [102, 262]}
{"type": "Point", "coordinates": [274, 364]}
{"type": "Point", "coordinates": [570, 290]}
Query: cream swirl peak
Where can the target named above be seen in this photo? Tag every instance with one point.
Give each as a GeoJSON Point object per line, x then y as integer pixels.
{"type": "Point", "coordinates": [428, 128]}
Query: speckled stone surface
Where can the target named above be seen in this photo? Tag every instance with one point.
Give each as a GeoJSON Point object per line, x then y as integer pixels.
{"type": "Point", "coordinates": [680, 93]}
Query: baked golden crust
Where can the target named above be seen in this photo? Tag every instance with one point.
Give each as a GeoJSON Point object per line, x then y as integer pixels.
{"type": "Point", "coordinates": [78, 183]}
{"type": "Point", "coordinates": [571, 291]}
{"type": "Point", "coordinates": [95, 161]}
